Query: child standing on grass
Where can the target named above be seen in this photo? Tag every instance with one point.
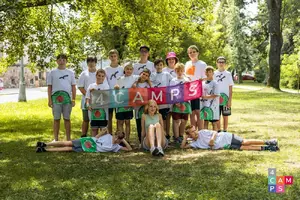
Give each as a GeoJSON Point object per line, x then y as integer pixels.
{"type": "Point", "coordinates": [162, 79]}
{"type": "Point", "coordinates": [142, 82]}
{"type": "Point", "coordinates": [102, 142]}
{"type": "Point", "coordinates": [143, 63]}
{"type": "Point", "coordinates": [207, 139]}
{"type": "Point", "coordinates": [210, 100]}
{"type": "Point", "coordinates": [195, 70]}
{"type": "Point", "coordinates": [180, 111]}
{"type": "Point", "coordinates": [99, 117]}
{"type": "Point", "coordinates": [125, 114]}
{"type": "Point", "coordinates": [113, 72]}
{"type": "Point", "coordinates": [225, 82]}
{"type": "Point", "coordinates": [85, 79]}
{"type": "Point", "coordinates": [61, 95]}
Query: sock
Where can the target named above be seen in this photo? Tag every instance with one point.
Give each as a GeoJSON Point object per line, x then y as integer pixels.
{"type": "Point", "coordinates": [264, 148]}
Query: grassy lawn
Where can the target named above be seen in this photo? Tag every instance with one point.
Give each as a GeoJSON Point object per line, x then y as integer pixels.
{"type": "Point", "coordinates": [181, 174]}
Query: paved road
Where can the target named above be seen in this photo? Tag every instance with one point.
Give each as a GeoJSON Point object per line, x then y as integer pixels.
{"type": "Point", "coordinates": [12, 95]}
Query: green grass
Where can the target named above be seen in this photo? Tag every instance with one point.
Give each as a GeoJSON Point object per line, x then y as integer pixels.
{"type": "Point", "coordinates": [181, 174]}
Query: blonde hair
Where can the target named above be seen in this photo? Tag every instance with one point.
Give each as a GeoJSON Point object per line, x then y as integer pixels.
{"type": "Point", "coordinates": [179, 66]}
{"type": "Point", "coordinates": [113, 51]}
{"type": "Point", "coordinates": [187, 128]}
{"type": "Point", "coordinates": [146, 111]}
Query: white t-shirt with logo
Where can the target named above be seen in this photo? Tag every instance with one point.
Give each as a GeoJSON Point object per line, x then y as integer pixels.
{"type": "Point", "coordinates": [105, 144]}
{"type": "Point", "coordinates": [139, 67]}
{"type": "Point", "coordinates": [127, 81]}
{"type": "Point", "coordinates": [61, 80]}
{"type": "Point", "coordinates": [176, 81]}
{"type": "Point", "coordinates": [210, 88]}
{"type": "Point", "coordinates": [196, 70]}
{"type": "Point", "coordinates": [112, 74]}
{"type": "Point", "coordinates": [170, 71]}
{"type": "Point", "coordinates": [224, 80]}
{"type": "Point", "coordinates": [85, 79]}
{"type": "Point", "coordinates": [102, 86]}
{"type": "Point", "coordinates": [202, 142]}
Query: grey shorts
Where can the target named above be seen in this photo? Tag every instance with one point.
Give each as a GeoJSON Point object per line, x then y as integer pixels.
{"type": "Point", "coordinates": [85, 115]}
{"type": "Point", "coordinates": [77, 146]}
{"type": "Point", "coordinates": [148, 148]}
{"type": "Point", "coordinates": [64, 109]}
{"type": "Point", "coordinates": [236, 142]}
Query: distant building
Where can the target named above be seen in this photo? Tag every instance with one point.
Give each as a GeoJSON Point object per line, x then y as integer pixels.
{"type": "Point", "coordinates": [11, 77]}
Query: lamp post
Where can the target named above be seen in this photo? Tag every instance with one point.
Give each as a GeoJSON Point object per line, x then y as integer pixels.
{"type": "Point", "coordinates": [22, 84]}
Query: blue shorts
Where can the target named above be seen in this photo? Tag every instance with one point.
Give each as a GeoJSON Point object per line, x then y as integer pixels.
{"type": "Point", "coordinates": [76, 146]}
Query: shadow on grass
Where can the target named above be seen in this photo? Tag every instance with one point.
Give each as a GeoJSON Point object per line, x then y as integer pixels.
{"type": "Point", "coordinates": [181, 174]}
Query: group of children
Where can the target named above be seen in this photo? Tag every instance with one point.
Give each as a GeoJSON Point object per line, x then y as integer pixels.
{"type": "Point", "coordinates": [153, 121]}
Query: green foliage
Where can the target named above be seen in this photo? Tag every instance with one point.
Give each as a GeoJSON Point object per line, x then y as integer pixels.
{"type": "Point", "coordinates": [290, 71]}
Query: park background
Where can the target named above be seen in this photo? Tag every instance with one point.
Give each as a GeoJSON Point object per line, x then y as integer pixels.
{"type": "Point", "coordinates": [264, 40]}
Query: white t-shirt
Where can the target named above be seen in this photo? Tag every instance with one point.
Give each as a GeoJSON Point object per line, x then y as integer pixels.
{"type": "Point", "coordinates": [224, 80]}
{"type": "Point", "coordinates": [222, 139]}
{"type": "Point", "coordinates": [127, 81]}
{"type": "Point", "coordinates": [176, 81]}
{"type": "Point", "coordinates": [162, 79]}
{"type": "Point", "coordinates": [170, 71]}
{"type": "Point", "coordinates": [61, 80]}
{"type": "Point", "coordinates": [209, 88]}
{"type": "Point", "coordinates": [85, 79]}
{"type": "Point", "coordinates": [202, 142]}
{"type": "Point", "coordinates": [139, 67]}
{"type": "Point", "coordinates": [112, 74]}
{"type": "Point", "coordinates": [195, 70]}
{"type": "Point", "coordinates": [105, 144]}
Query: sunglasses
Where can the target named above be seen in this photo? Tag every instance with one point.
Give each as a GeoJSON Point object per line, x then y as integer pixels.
{"type": "Point", "coordinates": [221, 62]}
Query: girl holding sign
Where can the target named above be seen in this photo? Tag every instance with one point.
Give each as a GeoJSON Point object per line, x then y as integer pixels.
{"type": "Point", "coordinates": [103, 142]}
{"type": "Point", "coordinates": [142, 82]}
{"type": "Point", "coordinates": [125, 114]}
{"type": "Point", "coordinates": [153, 137]}
{"type": "Point", "coordinates": [99, 117]}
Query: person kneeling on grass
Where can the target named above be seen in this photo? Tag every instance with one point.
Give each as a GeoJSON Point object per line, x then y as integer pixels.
{"type": "Point", "coordinates": [208, 139]}
{"type": "Point", "coordinates": [103, 142]}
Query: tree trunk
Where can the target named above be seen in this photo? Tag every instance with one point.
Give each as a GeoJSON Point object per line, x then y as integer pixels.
{"type": "Point", "coordinates": [22, 84]}
{"type": "Point", "coordinates": [274, 7]}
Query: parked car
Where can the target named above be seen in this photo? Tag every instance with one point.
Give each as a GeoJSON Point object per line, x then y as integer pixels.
{"type": "Point", "coordinates": [245, 77]}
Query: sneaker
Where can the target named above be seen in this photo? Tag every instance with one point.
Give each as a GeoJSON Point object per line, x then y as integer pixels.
{"type": "Point", "coordinates": [272, 142]}
{"type": "Point", "coordinates": [154, 151]}
{"type": "Point", "coordinates": [179, 140]}
{"type": "Point", "coordinates": [40, 150]}
{"type": "Point", "coordinates": [40, 144]}
{"type": "Point", "coordinates": [274, 148]}
{"type": "Point", "coordinates": [160, 151]}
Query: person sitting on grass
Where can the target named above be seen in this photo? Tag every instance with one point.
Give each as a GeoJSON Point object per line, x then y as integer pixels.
{"type": "Point", "coordinates": [103, 142]}
{"type": "Point", "coordinates": [208, 139]}
{"type": "Point", "coordinates": [153, 137]}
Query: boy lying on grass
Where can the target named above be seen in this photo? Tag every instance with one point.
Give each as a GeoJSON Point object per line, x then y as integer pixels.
{"type": "Point", "coordinates": [103, 142]}
{"type": "Point", "coordinates": [208, 139]}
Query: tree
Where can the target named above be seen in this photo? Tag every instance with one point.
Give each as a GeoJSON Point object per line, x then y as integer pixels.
{"type": "Point", "coordinates": [274, 8]}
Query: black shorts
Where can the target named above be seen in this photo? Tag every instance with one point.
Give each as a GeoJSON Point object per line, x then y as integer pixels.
{"type": "Point", "coordinates": [111, 111]}
{"type": "Point", "coordinates": [195, 104]}
{"type": "Point", "coordinates": [214, 120]}
{"type": "Point", "coordinates": [225, 112]}
{"type": "Point", "coordinates": [98, 123]}
{"type": "Point", "coordinates": [164, 112]}
{"type": "Point", "coordinates": [124, 115]}
{"type": "Point", "coordinates": [236, 142]}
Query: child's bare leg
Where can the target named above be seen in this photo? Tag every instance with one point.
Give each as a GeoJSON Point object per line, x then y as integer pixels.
{"type": "Point", "coordinates": [214, 125]}
{"type": "Point", "coordinates": [158, 133]}
{"type": "Point", "coordinates": [60, 144]}
{"type": "Point", "coordinates": [182, 127]}
{"type": "Point", "coordinates": [225, 123]}
{"type": "Point", "coordinates": [94, 132]}
{"type": "Point", "coordinates": [56, 125]}
{"type": "Point", "coordinates": [193, 119]}
{"type": "Point", "coordinates": [206, 124]}
{"type": "Point", "coordinates": [127, 130]}
{"type": "Point", "coordinates": [60, 149]}
{"type": "Point", "coordinates": [67, 123]}
{"type": "Point", "coordinates": [110, 116]}
{"type": "Point", "coordinates": [176, 124]}
{"type": "Point", "coordinates": [150, 138]}
{"type": "Point", "coordinates": [168, 124]}
{"type": "Point", "coordinates": [84, 127]}
{"type": "Point", "coordinates": [251, 148]}
{"type": "Point", "coordinates": [120, 124]}
{"type": "Point", "coordinates": [199, 122]}
{"type": "Point", "coordinates": [253, 142]}
{"type": "Point", "coordinates": [219, 124]}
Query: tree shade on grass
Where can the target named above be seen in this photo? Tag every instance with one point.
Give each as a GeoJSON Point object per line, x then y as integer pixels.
{"type": "Point", "coordinates": [181, 174]}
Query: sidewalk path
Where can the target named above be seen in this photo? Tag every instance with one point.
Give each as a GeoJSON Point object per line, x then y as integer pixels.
{"type": "Point", "coordinates": [256, 88]}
